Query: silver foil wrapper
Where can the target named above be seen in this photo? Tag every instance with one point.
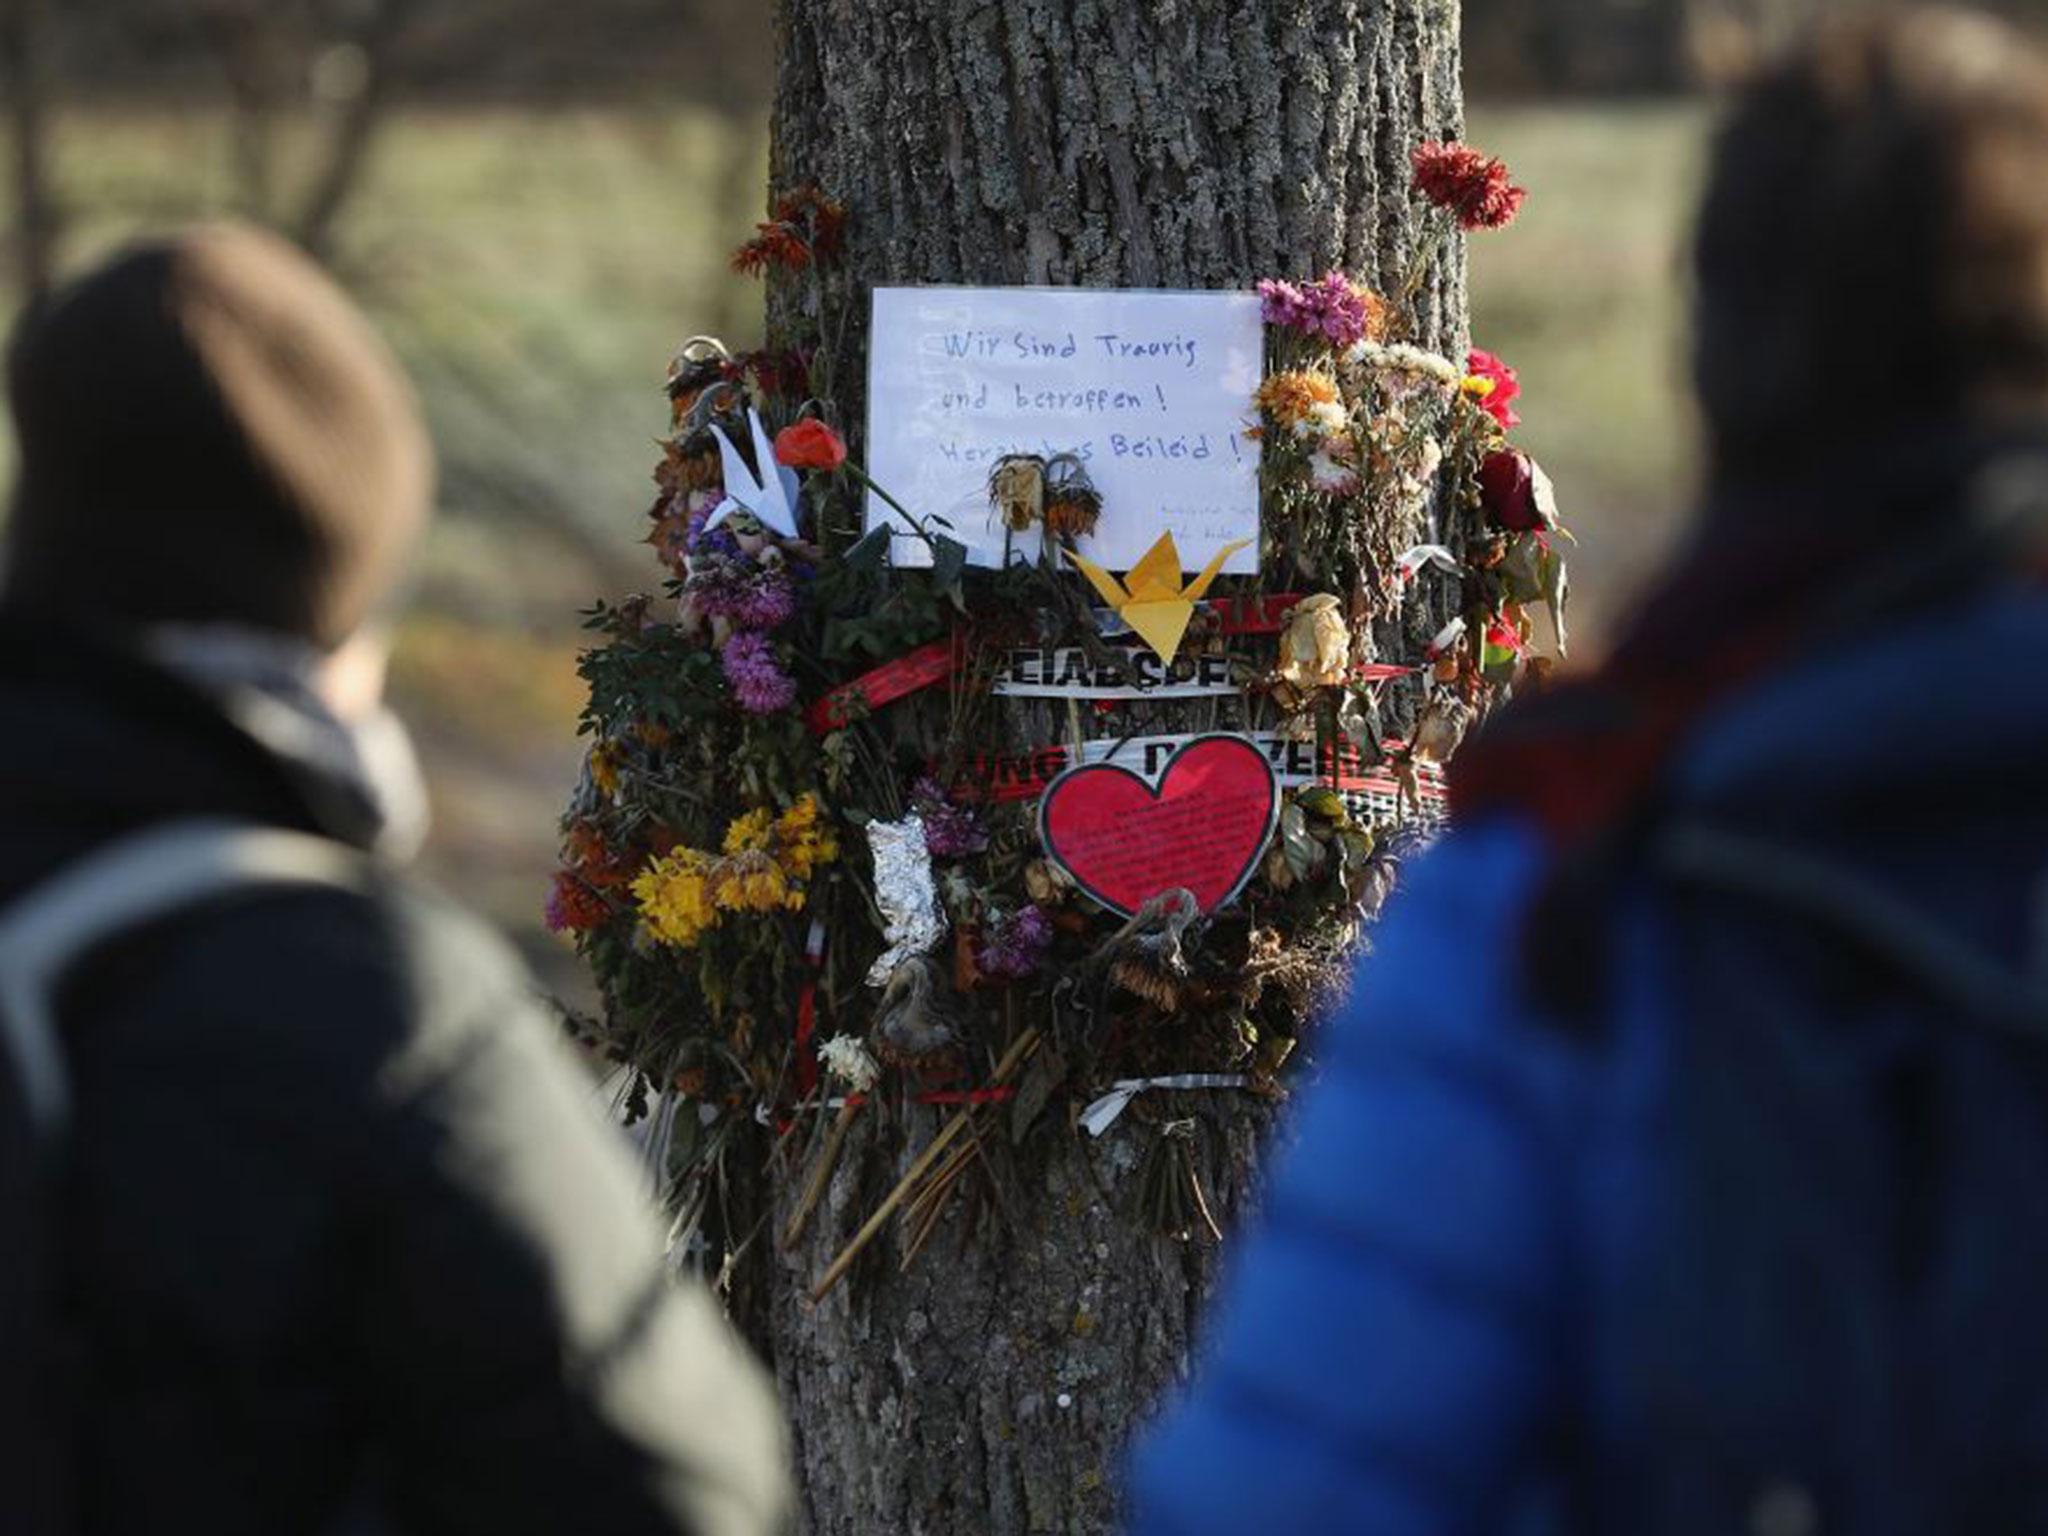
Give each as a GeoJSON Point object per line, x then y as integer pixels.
{"type": "Point", "coordinates": [905, 892]}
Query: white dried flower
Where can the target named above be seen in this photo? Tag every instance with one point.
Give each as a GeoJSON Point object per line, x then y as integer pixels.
{"type": "Point", "coordinates": [850, 1062]}
{"type": "Point", "coordinates": [1326, 418]}
{"type": "Point", "coordinates": [1403, 358]}
{"type": "Point", "coordinates": [1327, 474]}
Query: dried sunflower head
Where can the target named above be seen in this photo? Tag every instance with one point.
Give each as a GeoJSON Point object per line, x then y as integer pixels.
{"type": "Point", "coordinates": [1016, 489]}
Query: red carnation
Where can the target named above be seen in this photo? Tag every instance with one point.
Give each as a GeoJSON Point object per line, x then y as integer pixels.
{"type": "Point", "coordinates": [810, 444]}
{"type": "Point", "coordinates": [1498, 402]}
{"type": "Point", "coordinates": [1516, 493]}
{"type": "Point", "coordinates": [1474, 188]}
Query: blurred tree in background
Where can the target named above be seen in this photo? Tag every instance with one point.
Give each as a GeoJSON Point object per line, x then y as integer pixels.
{"type": "Point", "coordinates": [1641, 47]}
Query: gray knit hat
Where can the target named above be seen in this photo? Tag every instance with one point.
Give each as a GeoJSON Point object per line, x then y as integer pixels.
{"type": "Point", "coordinates": [211, 432]}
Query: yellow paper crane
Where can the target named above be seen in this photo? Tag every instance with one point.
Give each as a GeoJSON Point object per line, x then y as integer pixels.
{"type": "Point", "coordinates": [1151, 599]}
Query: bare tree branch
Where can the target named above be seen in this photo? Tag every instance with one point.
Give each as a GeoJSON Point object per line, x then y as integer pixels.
{"type": "Point", "coordinates": [243, 36]}
{"type": "Point", "coordinates": [362, 114]}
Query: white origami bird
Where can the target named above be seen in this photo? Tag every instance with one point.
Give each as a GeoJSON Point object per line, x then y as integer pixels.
{"type": "Point", "coordinates": [771, 497]}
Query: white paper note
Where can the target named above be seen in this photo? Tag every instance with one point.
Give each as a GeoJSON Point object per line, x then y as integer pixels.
{"type": "Point", "coordinates": [1151, 390]}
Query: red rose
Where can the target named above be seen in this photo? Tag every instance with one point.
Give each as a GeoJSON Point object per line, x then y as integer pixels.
{"type": "Point", "coordinates": [1516, 493]}
{"type": "Point", "coordinates": [810, 444]}
{"type": "Point", "coordinates": [1507, 388]}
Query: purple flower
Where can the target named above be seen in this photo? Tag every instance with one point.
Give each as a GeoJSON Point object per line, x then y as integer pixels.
{"type": "Point", "coordinates": [719, 541]}
{"type": "Point", "coordinates": [1333, 308]}
{"type": "Point", "coordinates": [1014, 947]}
{"type": "Point", "coordinates": [736, 588]}
{"type": "Point", "coordinates": [950, 831]}
{"type": "Point", "coordinates": [757, 679]}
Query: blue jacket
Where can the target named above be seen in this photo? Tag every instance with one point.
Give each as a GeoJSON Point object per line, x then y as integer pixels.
{"type": "Point", "coordinates": [1515, 1277]}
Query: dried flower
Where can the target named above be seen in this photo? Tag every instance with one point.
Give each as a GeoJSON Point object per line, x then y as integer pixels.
{"type": "Point", "coordinates": [810, 444]}
{"type": "Point", "coordinates": [1403, 358]}
{"type": "Point", "coordinates": [1328, 472]}
{"type": "Point", "coordinates": [1494, 385]}
{"type": "Point", "coordinates": [1016, 489]}
{"type": "Point", "coordinates": [751, 594]}
{"type": "Point", "coordinates": [784, 373]}
{"type": "Point", "coordinates": [573, 906]}
{"type": "Point", "coordinates": [764, 865]}
{"type": "Point", "coordinates": [756, 677]}
{"type": "Point", "coordinates": [1289, 399]}
{"type": "Point", "coordinates": [850, 1063]}
{"type": "Point", "coordinates": [1046, 883]}
{"type": "Point", "coordinates": [605, 759]}
{"type": "Point", "coordinates": [1014, 947]}
{"type": "Point", "coordinates": [1473, 188]}
{"type": "Point", "coordinates": [1315, 648]}
{"type": "Point", "coordinates": [801, 840]}
{"type": "Point", "coordinates": [951, 831]}
{"type": "Point", "coordinates": [675, 897]}
{"type": "Point", "coordinates": [808, 227]}
{"type": "Point", "coordinates": [1072, 504]}
{"type": "Point", "coordinates": [1333, 309]}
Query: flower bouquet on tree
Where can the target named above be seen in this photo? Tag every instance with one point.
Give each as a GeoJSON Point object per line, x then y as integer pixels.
{"type": "Point", "coordinates": [827, 862]}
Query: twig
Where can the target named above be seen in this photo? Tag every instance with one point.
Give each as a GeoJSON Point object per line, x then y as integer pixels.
{"type": "Point", "coordinates": [821, 1174]}
{"type": "Point", "coordinates": [1019, 1052]}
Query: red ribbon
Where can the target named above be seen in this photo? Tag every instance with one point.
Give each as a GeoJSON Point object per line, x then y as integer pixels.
{"type": "Point", "coordinates": [889, 682]}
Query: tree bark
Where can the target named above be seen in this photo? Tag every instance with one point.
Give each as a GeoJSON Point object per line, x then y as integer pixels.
{"type": "Point", "coordinates": [1184, 144]}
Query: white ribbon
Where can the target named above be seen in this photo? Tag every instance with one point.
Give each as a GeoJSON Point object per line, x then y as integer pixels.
{"type": "Point", "coordinates": [1426, 554]}
{"type": "Point", "coordinates": [1446, 637]}
{"type": "Point", "coordinates": [1107, 1110]}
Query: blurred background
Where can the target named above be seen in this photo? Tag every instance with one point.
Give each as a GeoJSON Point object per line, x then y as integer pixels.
{"type": "Point", "coordinates": [536, 201]}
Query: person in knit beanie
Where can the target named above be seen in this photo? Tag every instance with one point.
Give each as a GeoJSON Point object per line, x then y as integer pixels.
{"type": "Point", "coordinates": [210, 432]}
{"type": "Point", "coordinates": [305, 1217]}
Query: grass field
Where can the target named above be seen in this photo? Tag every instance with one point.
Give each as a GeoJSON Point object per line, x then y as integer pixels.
{"type": "Point", "coordinates": [536, 271]}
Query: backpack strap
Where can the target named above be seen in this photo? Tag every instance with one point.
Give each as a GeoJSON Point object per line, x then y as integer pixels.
{"type": "Point", "coordinates": [1859, 911]}
{"type": "Point", "coordinates": [130, 882]}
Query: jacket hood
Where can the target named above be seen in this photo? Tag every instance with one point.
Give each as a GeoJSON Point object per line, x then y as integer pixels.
{"type": "Point", "coordinates": [96, 742]}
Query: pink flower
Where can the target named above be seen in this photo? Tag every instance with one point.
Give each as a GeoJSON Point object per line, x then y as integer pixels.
{"type": "Point", "coordinates": [1332, 309]}
{"type": "Point", "coordinates": [1499, 401]}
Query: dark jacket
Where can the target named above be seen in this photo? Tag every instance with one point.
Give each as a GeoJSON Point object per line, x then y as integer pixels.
{"type": "Point", "coordinates": [340, 1226]}
{"type": "Point", "coordinates": [1765, 1248]}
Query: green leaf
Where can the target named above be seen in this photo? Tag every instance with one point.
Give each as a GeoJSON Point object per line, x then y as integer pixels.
{"type": "Point", "coordinates": [1303, 853]}
{"type": "Point", "coordinates": [949, 560]}
{"type": "Point", "coordinates": [1556, 592]}
{"type": "Point", "coordinates": [870, 551]}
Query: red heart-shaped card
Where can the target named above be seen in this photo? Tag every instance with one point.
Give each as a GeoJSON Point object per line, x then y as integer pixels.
{"type": "Point", "coordinates": [1202, 824]}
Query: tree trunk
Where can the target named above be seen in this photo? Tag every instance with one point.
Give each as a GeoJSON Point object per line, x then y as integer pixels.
{"type": "Point", "coordinates": [1186, 144]}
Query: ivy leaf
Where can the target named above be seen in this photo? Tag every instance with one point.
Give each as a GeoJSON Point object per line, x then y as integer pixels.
{"type": "Point", "coordinates": [1303, 853]}
{"type": "Point", "coordinates": [949, 560]}
{"type": "Point", "coordinates": [869, 551]}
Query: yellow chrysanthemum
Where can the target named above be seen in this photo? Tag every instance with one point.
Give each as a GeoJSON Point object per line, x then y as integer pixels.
{"type": "Point", "coordinates": [750, 882]}
{"type": "Point", "coordinates": [675, 898]}
{"type": "Point", "coordinates": [802, 842]}
{"type": "Point", "coordinates": [750, 833]}
{"type": "Point", "coordinates": [1479, 388]}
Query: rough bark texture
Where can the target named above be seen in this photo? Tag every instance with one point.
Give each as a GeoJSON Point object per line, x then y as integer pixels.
{"type": "Point", "coordinates": [1181, 143]}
